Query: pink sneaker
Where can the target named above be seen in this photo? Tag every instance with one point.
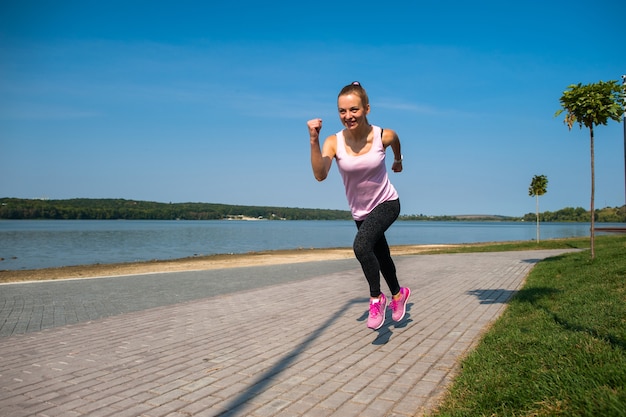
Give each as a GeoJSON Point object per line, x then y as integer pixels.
{"type": "Point", "coordinates": [377, 312]}
{"type": "Point", "coordinates": [398, 307]}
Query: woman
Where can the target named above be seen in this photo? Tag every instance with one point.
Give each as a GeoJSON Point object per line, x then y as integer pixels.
{"type": "Point", "coordinates": [360, 153]}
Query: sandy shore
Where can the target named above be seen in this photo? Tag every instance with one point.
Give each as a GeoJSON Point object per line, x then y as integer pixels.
{"type": "Point", "coordinates": [201, 263]}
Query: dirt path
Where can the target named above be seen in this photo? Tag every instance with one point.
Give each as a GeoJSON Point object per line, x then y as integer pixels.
{"type": "Point", "coordinates": [200, 263]}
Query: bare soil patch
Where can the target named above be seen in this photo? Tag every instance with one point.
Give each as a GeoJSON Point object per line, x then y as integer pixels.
{"type": "Point", "coordinates": [200, 263]}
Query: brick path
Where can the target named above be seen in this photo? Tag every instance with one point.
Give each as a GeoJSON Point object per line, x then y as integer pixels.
{"type": "Point", "coordinates": [291, 348]}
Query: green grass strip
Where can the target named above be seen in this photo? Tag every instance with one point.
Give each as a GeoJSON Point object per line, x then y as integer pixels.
{"type": "Point", "coordinates": [559, 349]}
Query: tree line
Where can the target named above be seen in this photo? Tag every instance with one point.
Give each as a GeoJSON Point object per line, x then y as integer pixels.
{"type": "Point", "coordinates": [568, 214]}
{"type": "Point", "coordinates": [579, 214]}
{"type": "Point", "coordinates": [121, 209]}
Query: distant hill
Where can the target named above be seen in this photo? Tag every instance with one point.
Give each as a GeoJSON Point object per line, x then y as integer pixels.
{"type": "Point", "coordinates": [568, 214]}
{"type": "Point", "coordinates": [483, 217]}
{"type": "Point", "coordinates": [462, 217]}
{"type": "Point", "coordinates": [579, 214]}
{"type": "Point", "coordinates": [121, 209]}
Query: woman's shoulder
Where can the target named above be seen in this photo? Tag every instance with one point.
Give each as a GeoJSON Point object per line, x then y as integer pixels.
{"type": "Point", "coordinates": [330, 145]}
{"type": "Point", "coordinates": [332, 138]}
{"type": "Point", "coordinates": [386, 131]}
{"type": "Point", "coordinates": [388, 136]}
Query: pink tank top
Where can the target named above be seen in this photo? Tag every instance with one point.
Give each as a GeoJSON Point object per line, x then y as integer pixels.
{"type": "Point", "coordinates": [365, 176]}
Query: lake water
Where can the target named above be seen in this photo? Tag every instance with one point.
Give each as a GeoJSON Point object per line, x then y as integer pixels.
{"type": "Point", "coordinates": [33, 244]}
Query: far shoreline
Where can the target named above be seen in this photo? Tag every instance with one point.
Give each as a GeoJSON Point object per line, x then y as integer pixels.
{"type": "Point", "coordinates": [199, 263]}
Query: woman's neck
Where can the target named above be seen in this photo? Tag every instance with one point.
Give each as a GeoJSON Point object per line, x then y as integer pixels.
{"type": "Point", "coordinates": [360, 134]}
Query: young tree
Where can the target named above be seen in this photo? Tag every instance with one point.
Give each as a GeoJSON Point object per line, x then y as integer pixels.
{"type": "Point", "coordinates": [591, 105]}
{"type": "Point", "coordinates": [538, 186]}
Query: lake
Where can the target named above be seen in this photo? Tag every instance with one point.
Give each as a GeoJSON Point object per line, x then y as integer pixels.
{"type": "Point", "coordinates": [34, 244]}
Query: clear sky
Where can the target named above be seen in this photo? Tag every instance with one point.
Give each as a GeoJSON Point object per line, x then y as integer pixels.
{"type": "Point", "coordinates": [197, 101]}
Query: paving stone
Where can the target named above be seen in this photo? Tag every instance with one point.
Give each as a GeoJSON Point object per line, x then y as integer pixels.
{"type": "Point", "coordinates": [294, 346]}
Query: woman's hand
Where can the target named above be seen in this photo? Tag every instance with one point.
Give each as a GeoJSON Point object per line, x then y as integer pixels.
{"type": "Point", "coordinates": [314, 125]}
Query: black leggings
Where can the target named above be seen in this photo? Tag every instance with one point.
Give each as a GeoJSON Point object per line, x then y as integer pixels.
{"type": "Point", "coordinates": [372, 250]}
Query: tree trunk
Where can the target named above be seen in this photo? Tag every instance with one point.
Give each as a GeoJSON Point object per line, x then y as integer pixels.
{"type": "Point", "coordinates": [537, 211]}
{"type": "Point", "coordinates": [593, 191]}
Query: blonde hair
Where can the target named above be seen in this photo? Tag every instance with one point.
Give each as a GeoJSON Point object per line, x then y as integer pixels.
{"type": "Point", "coordinates": [357, 89]}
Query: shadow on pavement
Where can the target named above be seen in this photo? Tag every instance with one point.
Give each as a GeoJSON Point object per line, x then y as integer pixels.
{"type": "Point", "coordinates": [492, 296]}
{"type": "Point", "coordinates": [263, 381]}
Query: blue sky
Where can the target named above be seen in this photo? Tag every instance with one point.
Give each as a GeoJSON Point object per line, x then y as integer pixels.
{"type": "Point", "coordinates": [189, 101]}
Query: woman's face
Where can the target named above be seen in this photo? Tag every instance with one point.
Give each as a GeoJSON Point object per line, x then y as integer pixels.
{"type": "Point", "coordinates": [352, 112]}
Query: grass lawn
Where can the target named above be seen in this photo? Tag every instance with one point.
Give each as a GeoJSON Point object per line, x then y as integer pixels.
{"type": "Point", "coordinates": [559, 349]}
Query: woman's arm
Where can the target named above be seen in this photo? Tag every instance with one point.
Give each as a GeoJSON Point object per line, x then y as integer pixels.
{"type": "Point", "coordinates": [390, 138]}
{"type": "Point", "coordinates": [321, 160]}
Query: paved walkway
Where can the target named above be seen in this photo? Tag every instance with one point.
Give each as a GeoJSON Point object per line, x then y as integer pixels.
{"type": "Point", "coordinates": [298, 346]}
